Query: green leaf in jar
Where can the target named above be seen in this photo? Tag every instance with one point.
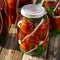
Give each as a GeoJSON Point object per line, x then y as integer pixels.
{"type": "Point", "coordinates": [34, 20]}
{"type": "Point", "coordinates": [37, 19]}
{"type": "Point", "coordinates": [54, 32]}
{"type": "Point", "coordinates": [44, 17]}
{"type": "Point", "coordinates": [38, 1]}
{"type": "Point", "coordinates": [39, 51]}
{"type": "Point", "coordinates": [29, 19]}
{"type": "Point", "coordinates": [50, 12]}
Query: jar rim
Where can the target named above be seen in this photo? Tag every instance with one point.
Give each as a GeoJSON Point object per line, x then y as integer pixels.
{"type": "Point", "coordinates": [33, 11]}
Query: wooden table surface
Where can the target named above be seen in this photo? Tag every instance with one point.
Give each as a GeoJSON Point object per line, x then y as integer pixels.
{"type": "Point", "coordinates": [10, 49]}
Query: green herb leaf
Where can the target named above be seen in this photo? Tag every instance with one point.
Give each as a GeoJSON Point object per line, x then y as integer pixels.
{"type": "Point", "coordinates": [54, 32]}
{"type": "Point", "coordinates": [37, 20]}
{"type": "Point", "coordinates": [50, 12]}
{"type": "Point", "coordinates": [38, 51]}
{"type": "Point", "coordinates": [34, 20]}
{"type": "Point", "coordinates": [38, 1]}
{"type": "Point", "coordinates": [44, 17]}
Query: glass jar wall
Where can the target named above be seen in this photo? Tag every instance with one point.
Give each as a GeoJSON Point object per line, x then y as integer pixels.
{"type": "Point", "coordinates": [33, 30]}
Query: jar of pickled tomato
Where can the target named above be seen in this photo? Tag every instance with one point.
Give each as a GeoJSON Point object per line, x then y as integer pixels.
{"type": "Point", "coordinates": [54, 7]}
{"type": "Point", "coordinates": [3, 20]}
{"type": "Point", "coordinates": [33, 30]}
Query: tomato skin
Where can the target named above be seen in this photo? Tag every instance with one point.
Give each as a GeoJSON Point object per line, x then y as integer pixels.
{"type": "Point", "coordinates": [11, 1]}
{"type": "Point", "coordinates": [42, 30]}
{"type": "Point", "coordinates": [21, 35]}
{"type": "Point", "coordinates": [57, 13]}
{"type": "Point", "coordinates": [57, 20]}
{"type": "Point", "coordinates": [24, 46]}
{"type": "Point", "coordinates": [29, 43]}
{"type": "Point", "coordinates": [12, 4]}
{"type": "Point", "coordinates": [26, 26]}
{"type": "Point", "coordinates": [56, 23]}
{"type": "Point", "coordinates": [33, 40]}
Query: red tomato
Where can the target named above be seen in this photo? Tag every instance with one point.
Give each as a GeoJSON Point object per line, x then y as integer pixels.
{"type": "Point", "coordinates": [57, 13]}
{"type": "Point", "coordinates": [11, 1]}
{"type": "Point", "coordinates": [33, 40]}
{"type": "Point", "coordinates": [24, 46]}
{"type": "Point", "coordinates": [56, 23]}
{"type": "Point", "coordinates": [11, 4]}
{"type": "Point", "coordinates": [21, 35]}
{"type": "Point", "coordinates": [26, 26]}
{"type": "Point", "coordinates": [42, 30]}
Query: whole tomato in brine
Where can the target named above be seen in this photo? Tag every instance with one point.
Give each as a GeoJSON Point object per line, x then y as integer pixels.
{"type": "Point", "coordinates": [26, 26]}
{"type": "Point", "coordinates": [42, 30]}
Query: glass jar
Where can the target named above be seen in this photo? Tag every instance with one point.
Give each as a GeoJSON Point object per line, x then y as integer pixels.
{"type": "Point", "coordinates": [3, 20]}
{"type": "Point", "coordinates": [33, 30]}
{"type": "Point", "coordinates": [11, 8]}
{"type": "Point", "coordinates": [54, 7]}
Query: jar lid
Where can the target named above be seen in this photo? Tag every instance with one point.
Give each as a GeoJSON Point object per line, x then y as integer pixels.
{"type": "Point", "coordinates": [33, 11]}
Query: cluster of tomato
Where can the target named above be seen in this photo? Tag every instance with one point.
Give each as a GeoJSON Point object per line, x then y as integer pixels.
{"type": "Point", "coordinates": [57, 20]}
{"type": "Point", "coordinates": [26, 27]}
{"type": "Point", "coordinates": [11, 8]}
{"type": "Point", "coordinates": [54, 22]}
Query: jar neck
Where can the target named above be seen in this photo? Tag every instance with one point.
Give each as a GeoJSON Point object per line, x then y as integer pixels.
{"type": "Point", "coordinates": [36, 18]}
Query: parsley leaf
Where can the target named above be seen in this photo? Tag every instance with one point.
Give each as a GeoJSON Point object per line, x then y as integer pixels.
{"type": "Point", "coordinates": [50, 12]}
{"type": "Point", "coordinates": [38, 51]}
{"type": "Point", "coordinates": [38, 1]}
{"type": "Point", "coordinates": [54, 32]}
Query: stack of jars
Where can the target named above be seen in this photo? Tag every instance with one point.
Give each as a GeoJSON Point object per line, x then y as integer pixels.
{"type": "Point", "coordinates": [9, 14]}
{"type": "Point", "coordinates": [13, 7]}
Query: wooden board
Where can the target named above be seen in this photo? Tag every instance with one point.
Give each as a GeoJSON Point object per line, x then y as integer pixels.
{"type": "Point", "coordinates": [53, 50]}
{"type": "Point", "coordinates": [10, 51]}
